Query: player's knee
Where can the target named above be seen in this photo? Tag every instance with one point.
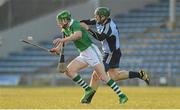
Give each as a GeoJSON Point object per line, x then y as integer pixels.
{"type": "Point", "coordinates": [95, 76]}
{"type": "Point", "coordinates": [103, 78]}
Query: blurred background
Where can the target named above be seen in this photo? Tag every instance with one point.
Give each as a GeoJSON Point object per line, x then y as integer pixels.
{"type": "Point", "coordinates": [150, 39]}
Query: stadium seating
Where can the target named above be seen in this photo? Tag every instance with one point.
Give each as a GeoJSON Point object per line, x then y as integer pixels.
{"type": "Point", "coordinates": [156, 52]}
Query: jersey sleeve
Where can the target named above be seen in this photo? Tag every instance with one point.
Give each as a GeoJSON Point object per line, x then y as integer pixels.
{"type": "Point", "coordinates": [107, 30]}
{"type": "Point", "coordinates": [89, 21]}
{"type": "Point", "coordinates": [76, 26]}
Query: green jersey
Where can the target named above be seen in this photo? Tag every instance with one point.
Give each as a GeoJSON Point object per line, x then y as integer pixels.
{"type": "Point", "coordinates": [84, 42]}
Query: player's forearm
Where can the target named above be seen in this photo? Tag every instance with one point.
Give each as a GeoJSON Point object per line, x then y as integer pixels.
{"type": "Point", "coordinates": [58, 47]}
{"type": "Point", "coordinates": [97, 36]}
{"type": "Point", "coordinates": [89, 21]}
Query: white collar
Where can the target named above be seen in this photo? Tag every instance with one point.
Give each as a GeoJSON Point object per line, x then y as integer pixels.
{"type": "Point", "coordinates": [71, 22]}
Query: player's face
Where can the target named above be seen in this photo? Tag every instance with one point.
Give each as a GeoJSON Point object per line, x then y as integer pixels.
{"type": "Point", "coordinates": [62, 23]}
{"type": "Point", "coordinates": [99, 19]}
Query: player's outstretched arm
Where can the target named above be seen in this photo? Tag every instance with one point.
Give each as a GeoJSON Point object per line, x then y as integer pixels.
{"type": "Point", "coordinates": [98, 36]}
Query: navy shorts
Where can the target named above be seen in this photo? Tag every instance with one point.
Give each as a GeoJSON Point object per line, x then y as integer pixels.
{"type": "Point", "coordinates": [112, 60]}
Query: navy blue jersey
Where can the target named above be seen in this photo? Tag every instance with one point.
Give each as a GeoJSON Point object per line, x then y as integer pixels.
{"type": "Point", "coordinates": [111, 42]}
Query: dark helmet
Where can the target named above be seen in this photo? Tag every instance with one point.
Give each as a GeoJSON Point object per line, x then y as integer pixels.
{"type": "Point", "coordinates": [102, 11]}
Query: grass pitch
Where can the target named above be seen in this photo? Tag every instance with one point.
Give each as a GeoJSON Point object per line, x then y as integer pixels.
{"type": "Point", "coordinates": [69, 97]}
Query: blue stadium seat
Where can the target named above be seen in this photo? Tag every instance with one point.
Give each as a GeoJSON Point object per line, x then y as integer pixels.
{"type": "Point", "coordinates": [152, 52]}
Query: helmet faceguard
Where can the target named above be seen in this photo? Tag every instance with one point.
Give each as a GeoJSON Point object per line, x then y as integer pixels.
{"type": "Point", "coordinates": [103, 13]}
{"type": "Point", "coordinates": [64, 15]}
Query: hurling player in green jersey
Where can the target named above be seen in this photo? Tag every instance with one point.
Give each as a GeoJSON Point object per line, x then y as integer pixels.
{"type": "Point", "coordinates": [89, 56]}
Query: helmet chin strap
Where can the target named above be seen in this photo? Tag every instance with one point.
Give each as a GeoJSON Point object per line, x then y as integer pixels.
{"type": "Point", "coordinates": [104, 22]}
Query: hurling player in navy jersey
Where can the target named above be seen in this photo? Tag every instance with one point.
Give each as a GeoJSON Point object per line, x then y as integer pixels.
{"type": "Point", "coordinates": [108, 34]}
